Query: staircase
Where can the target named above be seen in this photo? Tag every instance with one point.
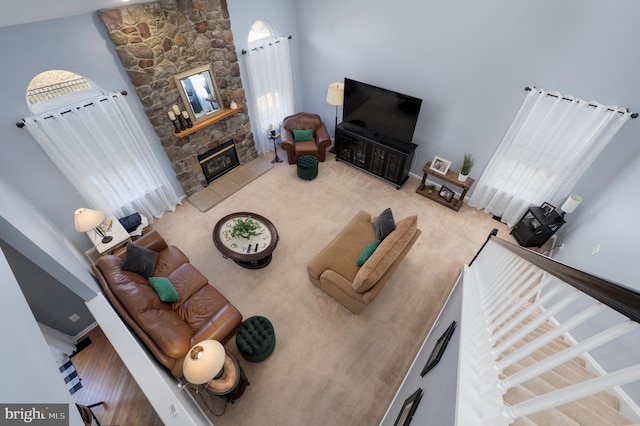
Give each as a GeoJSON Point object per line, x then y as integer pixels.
{"type": "Point", "coordinates": [602, 408]}
{"type": "Point", "coordinates": [518, 364]}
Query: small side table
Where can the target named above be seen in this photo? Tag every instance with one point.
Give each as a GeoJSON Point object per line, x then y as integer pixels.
{"type": "Point", "coordinates": [231, 385]}
{"type": "Point", "coordinates": [275, 148]}
{"type": "Point", "coordinates": [117, 231]}
{"type": "Point", "coordinates": [535, 228]}
{"type": "Point", "coordinates": [452, 178]}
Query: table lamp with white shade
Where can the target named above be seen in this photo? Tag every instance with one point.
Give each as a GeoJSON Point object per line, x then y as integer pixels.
{"type": "Point", "coordinates": [570, 205]}
{"type": "Point", "coordinates": [204, 362]}
{"type": "Point", "coordinates": [87, 219]}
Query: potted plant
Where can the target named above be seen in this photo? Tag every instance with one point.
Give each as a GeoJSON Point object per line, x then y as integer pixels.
{"type": "Point", "coordinates": [431, 188]}
{"type": "Point", "coordinates": [467, 165]}
{"type": "Point", "coordinates": [245, 228]}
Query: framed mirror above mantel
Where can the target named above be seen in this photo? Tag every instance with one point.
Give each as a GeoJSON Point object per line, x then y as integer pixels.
{"type": "Point", "coordinates": [201, 98]}
{"type": "Point", "coordinates": [199, 93]}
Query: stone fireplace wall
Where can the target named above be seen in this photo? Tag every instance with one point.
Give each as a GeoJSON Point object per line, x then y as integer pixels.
{"type": "Point", "coordinates": [157, 40]}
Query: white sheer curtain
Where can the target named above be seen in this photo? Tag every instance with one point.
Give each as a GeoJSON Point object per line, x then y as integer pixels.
{"type": "Point", "coordinates": [103, 152]}
{"type": "Point", "coordinates": [271, 86]}
{"type": "Point", "coordinates": [60, 344]}
{"type": "Point", "coordinates": [551, 142]}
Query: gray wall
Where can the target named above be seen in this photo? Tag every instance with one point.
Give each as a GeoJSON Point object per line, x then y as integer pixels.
{"type": "Point", "coordinates": [51, 303]}
{"type": "Point", "coordinates": [608, 221]}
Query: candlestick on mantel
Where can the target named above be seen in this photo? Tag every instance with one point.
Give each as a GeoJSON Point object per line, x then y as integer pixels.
{"type": "Point", "coordinates": [183, 125]}
{"type": "Point", "coordinates": [174, 120]}
{"type": "Point", "coordinates": [185, 115]}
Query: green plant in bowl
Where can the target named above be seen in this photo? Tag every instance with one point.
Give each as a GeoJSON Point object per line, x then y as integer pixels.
{"type": "Point", "coordinates": [245, 228]}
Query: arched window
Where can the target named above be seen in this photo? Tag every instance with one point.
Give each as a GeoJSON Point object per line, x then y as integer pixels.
{"type": "Point", "coordinates": [56, 88]}
{"type": "Point", "coordinates": [260, 33]}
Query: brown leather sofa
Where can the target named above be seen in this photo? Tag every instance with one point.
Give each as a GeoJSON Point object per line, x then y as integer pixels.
{"type": "Point", "coordinates": [316, 147]}
{"type": "Point", "coordinates": [335, 271]}
{"type": "Point", "coordinates": [169, 330]}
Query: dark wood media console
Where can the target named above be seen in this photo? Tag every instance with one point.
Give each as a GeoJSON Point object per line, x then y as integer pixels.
{"type": "Point", "coordinates": [386, 159]}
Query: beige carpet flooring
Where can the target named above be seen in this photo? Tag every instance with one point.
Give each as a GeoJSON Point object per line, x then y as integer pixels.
{"type": "Point", "coordinates": [329, 367]}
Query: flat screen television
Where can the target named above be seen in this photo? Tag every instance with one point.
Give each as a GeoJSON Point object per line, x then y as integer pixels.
{"type": "Point", "coordinates": [378, 112]}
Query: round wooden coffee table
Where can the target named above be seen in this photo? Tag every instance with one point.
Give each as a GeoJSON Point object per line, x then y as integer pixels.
{"type": "Point", "coordinates": [251, 251]}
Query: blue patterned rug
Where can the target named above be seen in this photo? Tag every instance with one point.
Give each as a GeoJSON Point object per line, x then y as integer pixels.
{"type": "Point", "coordinates": [71, 377]}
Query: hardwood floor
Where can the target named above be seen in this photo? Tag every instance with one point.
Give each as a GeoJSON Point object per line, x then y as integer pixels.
{"type": "Point", "coordinates": [105, 378]}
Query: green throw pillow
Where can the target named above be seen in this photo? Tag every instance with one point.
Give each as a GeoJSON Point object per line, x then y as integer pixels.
{"type": "Point", "coordinates": [302, 135]}
{"type": "Point", "coordinates": [166, 291]}
{"type": "Point", "coordinates": [367, 252]}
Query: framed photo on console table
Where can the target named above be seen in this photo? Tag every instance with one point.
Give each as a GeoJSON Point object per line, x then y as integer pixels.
{"type": "Point", "coordinates": [440, 165]}
{"type": "Point", "coordinates": [438, 350]}
{"type": "Point", "coordinates": [446, 193]}
{"type": "Point", "coordinates": [547, 209]}
{"type": "Point", "coordinates": [408, 408]}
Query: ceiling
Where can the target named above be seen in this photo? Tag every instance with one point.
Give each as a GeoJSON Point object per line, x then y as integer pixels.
{"type": "Point", "coordinates": [26, 11]}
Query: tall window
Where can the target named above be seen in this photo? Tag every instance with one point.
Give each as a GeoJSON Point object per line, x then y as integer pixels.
{"type": "Point", "coordinates": [269, 66]}
{"type": "Point", "coordinates": [95, 141]}
{"type": "Point", "coordinates": [552, 141]}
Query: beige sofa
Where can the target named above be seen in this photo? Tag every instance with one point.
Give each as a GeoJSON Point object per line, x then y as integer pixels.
{"type": "Point", "coordinates": [335, 271]}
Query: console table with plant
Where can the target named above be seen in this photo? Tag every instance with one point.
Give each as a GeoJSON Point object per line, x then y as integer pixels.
{"type": "Point", "coordinates": [428, 189]}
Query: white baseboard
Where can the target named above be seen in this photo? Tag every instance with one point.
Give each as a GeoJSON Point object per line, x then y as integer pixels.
{"type": "Point", "coordinates": [85, 331]}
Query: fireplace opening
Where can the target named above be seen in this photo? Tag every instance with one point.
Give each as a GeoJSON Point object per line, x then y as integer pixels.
{"type": "Point", "coordinates": [219, 160]}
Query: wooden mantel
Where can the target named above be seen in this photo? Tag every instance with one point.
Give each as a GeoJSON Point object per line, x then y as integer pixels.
{"type": "Point", "coordinates": [207, 122]}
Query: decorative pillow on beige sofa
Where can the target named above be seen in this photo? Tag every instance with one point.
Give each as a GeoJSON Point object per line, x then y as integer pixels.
{"type": "Point", "coordinates": [386, 253]}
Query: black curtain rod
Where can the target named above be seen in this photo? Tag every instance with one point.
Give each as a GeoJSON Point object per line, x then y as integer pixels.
{"type": "Point", "coordinates": [244, 52]}
{"type": "Point", "coordinates": [20, 124]}
{"type": "Point", "coordinates": [633, 115]}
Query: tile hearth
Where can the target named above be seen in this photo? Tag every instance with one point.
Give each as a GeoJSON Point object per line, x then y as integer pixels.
{"type": "Point", "coordinates": [229, 183]}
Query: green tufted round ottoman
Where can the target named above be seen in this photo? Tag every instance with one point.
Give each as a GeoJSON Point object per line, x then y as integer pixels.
{"type": "Point", "coordinates": [256, 339]}
{"type": "Point", "coordinates": [307, 167]}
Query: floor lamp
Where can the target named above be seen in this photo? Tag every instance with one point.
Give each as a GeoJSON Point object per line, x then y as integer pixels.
{"type": "Point", "coordinates": [335, 96]}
